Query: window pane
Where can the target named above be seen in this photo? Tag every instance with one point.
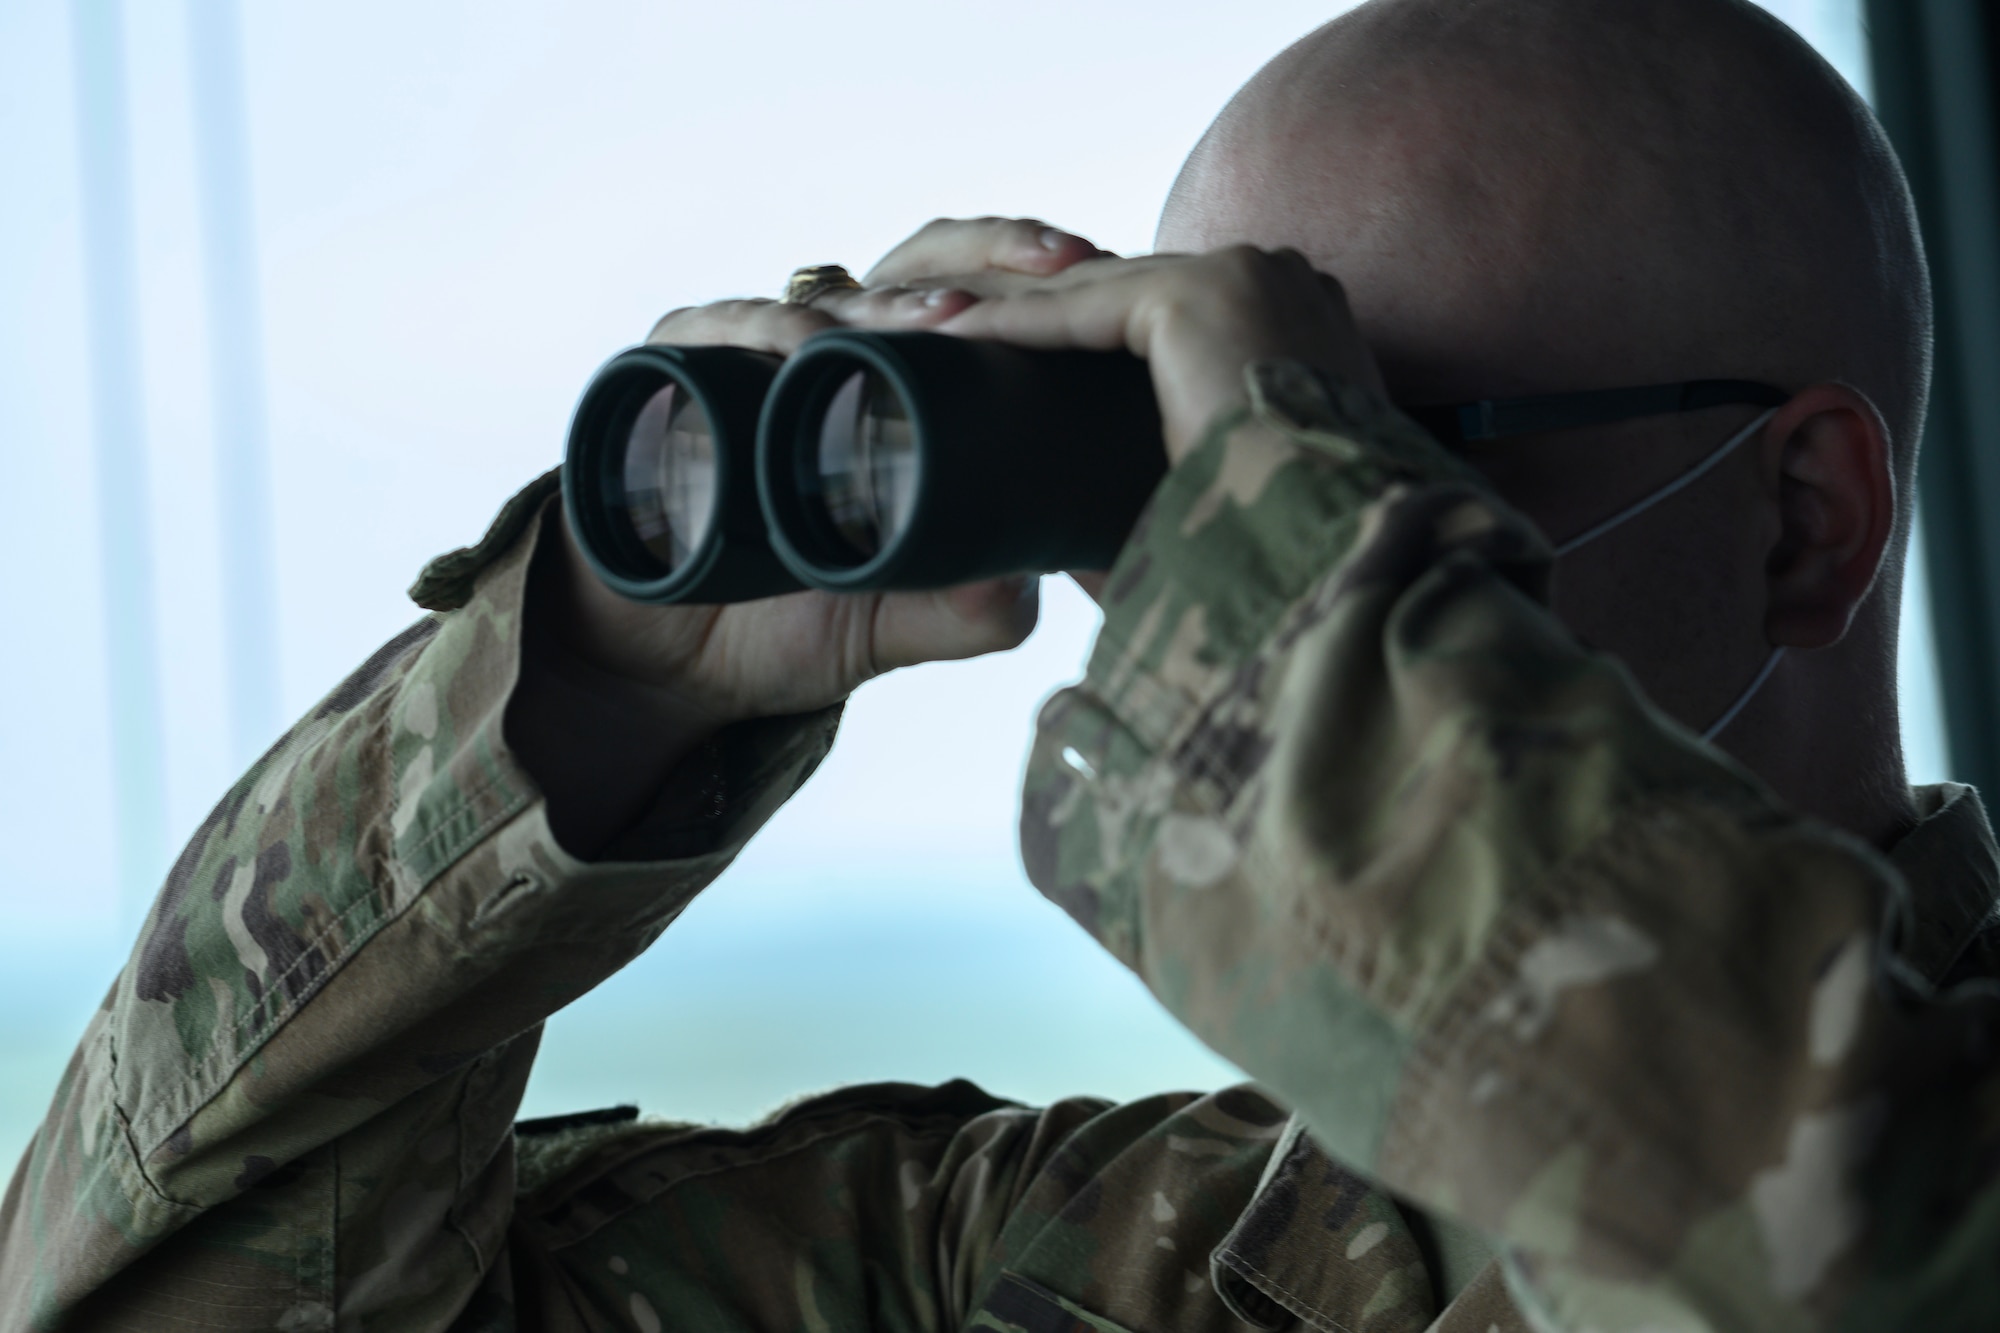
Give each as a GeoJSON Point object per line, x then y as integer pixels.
{"type": "Point", "coordinates": [454, 228]}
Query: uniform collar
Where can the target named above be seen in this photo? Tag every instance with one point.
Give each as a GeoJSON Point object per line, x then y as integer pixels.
{"type": "Point", "coordinates": [1952, 868]}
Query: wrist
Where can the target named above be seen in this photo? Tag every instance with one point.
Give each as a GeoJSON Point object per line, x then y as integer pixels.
{"type": "Point", "coordinates": [601, 744]}
{"type": "Point", "coordinates": [647, 657]}
{"type": "Point", "coordinates": [651, 713]}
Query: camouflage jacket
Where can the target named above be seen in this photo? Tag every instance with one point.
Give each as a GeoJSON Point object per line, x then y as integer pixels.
{"type": "Point", "coordinates": [1523, 970]}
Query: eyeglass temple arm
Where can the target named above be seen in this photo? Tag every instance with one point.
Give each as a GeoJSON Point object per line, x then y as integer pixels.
{"type": "Point", "coordinates": [1494, 418]}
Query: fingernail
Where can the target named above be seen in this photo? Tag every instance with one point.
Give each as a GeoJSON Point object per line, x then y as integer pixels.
{"type": "Point", "coordinates": [1052, 239]}
{"type": "Point", "coordinates": [937, 295]}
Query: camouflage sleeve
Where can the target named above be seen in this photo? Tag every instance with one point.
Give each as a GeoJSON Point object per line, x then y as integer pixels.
{"type": "Point", "coordinates": [898, 1209]}
{"type": "Point", "coordinates": [300, 1089]}
{"type": "Point", "coordinates": [1370, 822]}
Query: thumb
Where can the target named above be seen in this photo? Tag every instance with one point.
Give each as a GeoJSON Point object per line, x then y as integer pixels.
{"type": "Point", "coordinates": [949, 624]}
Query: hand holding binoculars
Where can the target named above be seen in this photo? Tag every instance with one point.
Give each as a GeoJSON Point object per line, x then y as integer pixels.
{"type": "Point", "coordinates": [867, 461]}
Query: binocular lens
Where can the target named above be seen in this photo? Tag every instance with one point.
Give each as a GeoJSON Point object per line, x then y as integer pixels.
{"type": "Point", "coordinates": [659, 478]}
{"type": "Point", "coordinates": [867, 463]}
{"type": "Point", "coordinates": [670, 476]}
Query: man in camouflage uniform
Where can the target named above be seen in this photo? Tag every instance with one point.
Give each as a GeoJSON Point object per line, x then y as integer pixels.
{"type": "Point", "coordinates": [1563, 1018]}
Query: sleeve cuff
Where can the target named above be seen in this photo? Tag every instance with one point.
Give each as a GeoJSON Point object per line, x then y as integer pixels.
{"type": "Point", "coordinates": [458, 780]}
{"type": "Point", "coordinates": [1241, 529]}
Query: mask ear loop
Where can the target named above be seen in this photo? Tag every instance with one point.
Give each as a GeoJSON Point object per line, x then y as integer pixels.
{"type": "Point", "coordinates": [1672, 488]}
{"type": "Point", "coordinates": [1756, 684]}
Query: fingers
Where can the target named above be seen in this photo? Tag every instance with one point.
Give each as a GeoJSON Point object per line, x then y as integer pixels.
{"type": "Point", "coordinates": [895, 307]}
{"type": "Point", "coordinates": [968, 245]}
{"type": "Point", "coordinates": [911, 288]}
{"type": "Point", "coordinates": [1096, 312]}
{"type": "Point", "coordinates": [953, 623]}
{"type": "Point", "coordinates": [772, 326]}
{"type": "Point", "coordinates": [1268, 302]}
{"type": "Point", "coordinates": [764, 326]}
{"type": "Point", "coordinates": [1198, 319]}
{"type": "Point", "coordinates": [925, 306]}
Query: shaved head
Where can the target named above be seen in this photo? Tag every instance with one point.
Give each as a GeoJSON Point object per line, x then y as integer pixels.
{"type": "Point", "coordinates": [1528, 196]}
{"type": "Point", "coordinates": [1548, 196]}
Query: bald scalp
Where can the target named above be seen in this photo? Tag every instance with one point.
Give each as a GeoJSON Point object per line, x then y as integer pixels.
{"type": "Point", "coordinates": [1547, 195]}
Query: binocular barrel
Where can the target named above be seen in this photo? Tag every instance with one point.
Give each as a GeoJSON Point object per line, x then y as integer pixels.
{"type": "Point", "coordinates": [660, 478]}
{"type": "Point", "coordinates": [869, 461]}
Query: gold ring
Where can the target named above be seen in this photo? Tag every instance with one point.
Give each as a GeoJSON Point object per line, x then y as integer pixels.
{"type": "Point", "coordinates": [808, 284]}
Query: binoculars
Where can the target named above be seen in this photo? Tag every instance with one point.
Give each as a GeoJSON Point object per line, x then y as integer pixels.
{"type": "Point", "coordinates": [866, 461]}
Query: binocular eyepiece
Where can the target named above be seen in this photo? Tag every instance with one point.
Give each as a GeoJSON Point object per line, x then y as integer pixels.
{"type": "Point", "coordinates": [867, 461]}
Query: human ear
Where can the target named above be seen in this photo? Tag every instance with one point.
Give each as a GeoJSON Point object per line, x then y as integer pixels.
{"type": "Point", "coordinates": [1836, 496]}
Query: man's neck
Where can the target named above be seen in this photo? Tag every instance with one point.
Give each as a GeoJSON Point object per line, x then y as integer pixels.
{"type": "Point", "coordinates": [1830, 744]}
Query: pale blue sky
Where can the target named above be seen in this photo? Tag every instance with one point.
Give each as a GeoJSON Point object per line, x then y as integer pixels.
{"type": "Point", "coordinates": [461, 209]}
